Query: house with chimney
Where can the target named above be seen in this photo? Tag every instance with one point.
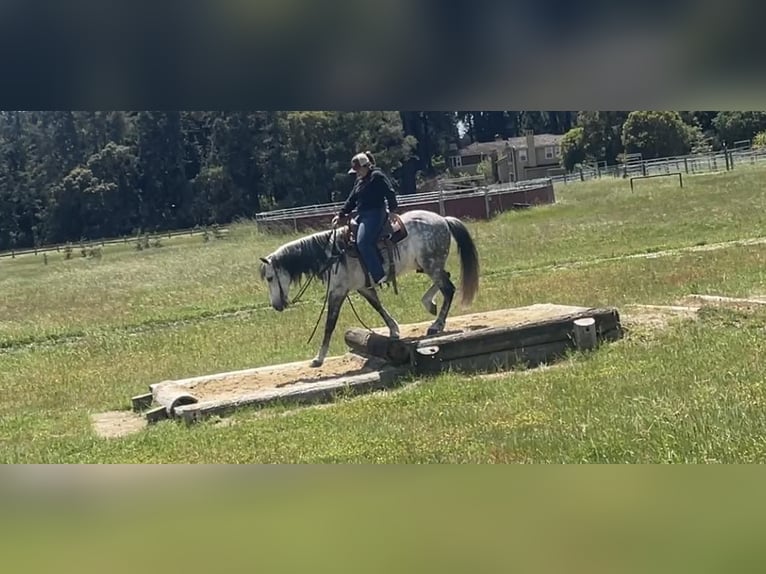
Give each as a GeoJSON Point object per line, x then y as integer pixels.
{"type": "Point", "coordinates": [529, 156]}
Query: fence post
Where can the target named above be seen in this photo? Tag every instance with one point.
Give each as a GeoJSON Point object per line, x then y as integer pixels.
{"type": "Point", "coordinates": [441, 202]}
{"type": "Point", "coordinates": [643, 168]}
{"type": "Point", "coordinates": [486, 201]}
{"type": "Point", "coordinates": [686, 165]}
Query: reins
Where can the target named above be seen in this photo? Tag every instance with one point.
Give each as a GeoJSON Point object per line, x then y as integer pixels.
{"type": "Point", "coordinates": [334, 260]}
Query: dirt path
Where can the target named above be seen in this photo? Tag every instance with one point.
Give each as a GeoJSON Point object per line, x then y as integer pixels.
{"type": "Point", "coordinates": [643, 255]}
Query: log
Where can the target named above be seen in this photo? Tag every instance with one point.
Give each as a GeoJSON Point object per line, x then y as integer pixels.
{"type": "Point", "coordinates": [585, 333]}
{"type": "Point", "coordinates": [427, 359]}
{"type": "Point", "coordinates": [371, 344]}
{"type": "Point", "coordinates": [507, 359]}
{"type": "Point", "coordinates": [172, 397]}
{"type": "Point", "coordinates": [495, 339]}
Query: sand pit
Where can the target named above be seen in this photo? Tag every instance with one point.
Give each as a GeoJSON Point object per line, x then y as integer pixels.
{"type": "Point", "coordinates": [278, 376]}
{"type": "Point", "coordinates": [200, 395]}
{"type": "Point", "coordinates": [484, 320]}
{"type": "Point", "coordinates": [491, 340]}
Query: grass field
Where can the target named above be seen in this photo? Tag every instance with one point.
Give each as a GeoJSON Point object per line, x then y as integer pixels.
{"type": "Point", "coordinates": [81, 336]}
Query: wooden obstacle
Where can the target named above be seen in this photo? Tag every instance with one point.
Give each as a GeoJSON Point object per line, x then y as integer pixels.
{"type": "Point", "coordinates": [478, 342]}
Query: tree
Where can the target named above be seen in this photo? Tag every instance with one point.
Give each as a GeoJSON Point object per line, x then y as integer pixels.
{"type": "Point", "coordinates": [433, 133]}
{"type": "Point", "coordinates": [737, 126]}
{"type": "Point", "coordinates": [601, 133]}
{"type": "Point", "coordinates": [116, 167]}
{"type": "Point", "coordinates": [164, 197]}
{"type": "Point", "coordinates": [759, 140]}
{"type": "Point", "coordinates": [656, 134]}
{"type": "Point", "coordinates": [76, 206]}
{"type": "Point", "coordinates": [573, 148]}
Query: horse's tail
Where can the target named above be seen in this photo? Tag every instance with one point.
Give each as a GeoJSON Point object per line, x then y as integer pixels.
{"type": "Point", "coordinates": [469, 259]}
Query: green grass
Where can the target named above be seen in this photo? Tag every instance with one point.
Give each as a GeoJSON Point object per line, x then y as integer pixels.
{"type": "Point", "coordinates": [81, 336]}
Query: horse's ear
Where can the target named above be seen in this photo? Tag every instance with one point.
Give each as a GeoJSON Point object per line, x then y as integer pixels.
{"type": "Point", "coordinates": [266, 261]}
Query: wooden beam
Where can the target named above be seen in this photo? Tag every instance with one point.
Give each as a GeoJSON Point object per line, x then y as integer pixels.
{"type": "Point", "coordinates": [500, 360]}
{"type": "Point", "coordinates": [494, 339]}
{"type": "Point", "coordinates": [142, 402]}
{"type": "Point", "coordinates": [509, 359]}
{"type": "Point", "coordinates": [305, 393]}
{"type": "Point", "coordinates": [367, 343]}
{"type": "Point", "coordinates": [156, 414]}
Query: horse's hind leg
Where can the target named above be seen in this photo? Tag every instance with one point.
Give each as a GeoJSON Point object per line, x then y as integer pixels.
{"type": "Point", "coordinates": [372, 298]}
{"type": "Point", "coordinates": [447, 287]}
{"type": "Point", "coordinates": [428, 299]}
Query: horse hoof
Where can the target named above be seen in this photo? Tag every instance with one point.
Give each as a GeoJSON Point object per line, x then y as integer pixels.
{"type": "Point", "coordinates": [433, 331]}
{"type": "Point", "coordinates": [316, 363]}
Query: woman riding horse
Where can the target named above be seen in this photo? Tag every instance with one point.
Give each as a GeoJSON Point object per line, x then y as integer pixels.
{"type": "Point", "coordinates": [425, 249]}
{"type": "Point", "coordinates": [371, 193]}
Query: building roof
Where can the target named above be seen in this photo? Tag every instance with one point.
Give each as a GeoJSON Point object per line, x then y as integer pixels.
{"type": "Point", "coordinates": [540, 140]}
{"type": "Point", "coordinates": [518, 142]}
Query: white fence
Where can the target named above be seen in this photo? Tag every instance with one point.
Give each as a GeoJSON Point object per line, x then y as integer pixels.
{"type": "Point", "coordinates": [325, 209]}
{"type": "Point", "coordinates": [691, 164]}
{"type": "Point", "coordinates": [93, 243]}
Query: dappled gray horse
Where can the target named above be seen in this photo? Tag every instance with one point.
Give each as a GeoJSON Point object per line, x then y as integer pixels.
{"type": "Point", "coordinates": [425, 248]}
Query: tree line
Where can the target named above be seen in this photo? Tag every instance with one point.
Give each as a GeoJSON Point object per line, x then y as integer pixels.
{"type": "Point", "coordinates": [73, 175]}
{"type": "Point", "coordinates": [609, 136]}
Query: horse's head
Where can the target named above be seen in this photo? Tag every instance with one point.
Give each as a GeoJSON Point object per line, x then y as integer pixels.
{"type": "Point", "coordinates": [278, 281]}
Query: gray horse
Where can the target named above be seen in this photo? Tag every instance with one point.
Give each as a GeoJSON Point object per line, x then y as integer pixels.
{"type": "Point", "coordinates": [424, 249]}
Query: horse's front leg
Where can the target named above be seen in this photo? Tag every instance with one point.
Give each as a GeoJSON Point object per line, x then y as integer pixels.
{"type": "Point", "coordinates": [334, 303]}
{"type": "Point", "coordinates": [372, 298]}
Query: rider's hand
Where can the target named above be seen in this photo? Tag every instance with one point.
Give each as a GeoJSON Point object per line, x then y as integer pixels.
{"type": "Point", "coordinates": [335, 220]}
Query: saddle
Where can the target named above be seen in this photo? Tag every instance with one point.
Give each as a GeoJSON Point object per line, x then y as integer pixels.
{"type": "Point", "coordinates": [391, 233]}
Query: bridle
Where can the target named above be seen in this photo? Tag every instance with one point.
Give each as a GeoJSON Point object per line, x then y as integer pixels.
{"type": "Point", "coordinates": [335, 257]}
{"type": "Point", "coordinates": [282, 295]}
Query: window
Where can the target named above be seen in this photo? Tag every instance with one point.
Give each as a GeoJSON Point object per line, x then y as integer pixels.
{"type": "Point", "coordinates": [523, 154]}
{"type": "Point", "coordinates": [549, 152]}
{"type": "Point", "coordinates": [457, 161]}
{"type": "Point", "coordinates": [558, 151]}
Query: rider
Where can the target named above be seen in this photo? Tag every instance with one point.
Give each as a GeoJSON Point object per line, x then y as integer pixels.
{"type": "Point", "coordinates": [371, 193]}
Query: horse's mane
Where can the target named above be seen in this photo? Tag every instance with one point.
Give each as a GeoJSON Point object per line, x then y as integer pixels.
{"type": "Point", "coordinates": [305, 256]}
